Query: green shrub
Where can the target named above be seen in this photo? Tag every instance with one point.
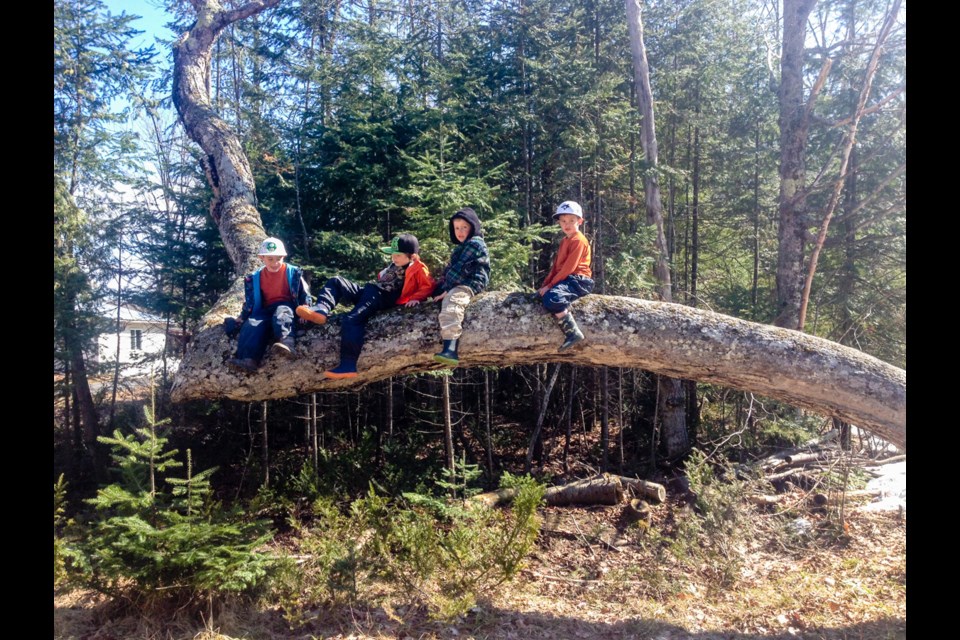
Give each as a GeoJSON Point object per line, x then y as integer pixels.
{"type": "Point", "coordinates": [155, 541]}
{"type": "Point", "coordinates": [714, 532]}
{"type": "Point", "coordinates": [430, 551]}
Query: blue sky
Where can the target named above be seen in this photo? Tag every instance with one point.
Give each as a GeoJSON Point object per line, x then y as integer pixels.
{"type": "Point", "coordinates": [151, 21]}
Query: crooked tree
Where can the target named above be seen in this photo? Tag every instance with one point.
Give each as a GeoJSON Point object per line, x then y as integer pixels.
{"type": "Point", "coordinates": [502, 329]}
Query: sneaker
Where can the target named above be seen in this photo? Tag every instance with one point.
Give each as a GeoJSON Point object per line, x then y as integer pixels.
{"type": "Point", "coordinates": [246, 365]}
{"type": "Point", "coordinates": [283, 349]}
{"type": "Point", "coordinates": [310, 315]}
{"type": "Point", "coordinates": [341, 371]}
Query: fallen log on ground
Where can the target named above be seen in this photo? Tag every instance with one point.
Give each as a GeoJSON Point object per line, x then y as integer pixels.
{"type": "Point", "coordinates": [602, 489]}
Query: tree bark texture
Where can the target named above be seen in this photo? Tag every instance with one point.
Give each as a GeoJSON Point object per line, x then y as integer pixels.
{"type": "Point", "coordinates": [504, 329]}
{"type": "Point", "coordinates": [672, 401]}
{"type": "Point", "coordinates": [794, 121]}
{"type": "Point", "coordinates": [228, 170]}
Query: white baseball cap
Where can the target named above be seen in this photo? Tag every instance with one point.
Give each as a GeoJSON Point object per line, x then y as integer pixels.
{"type": "Point", "coordinates": [272, 247]}
{"type": "Point", "coordinates": [569, 206]}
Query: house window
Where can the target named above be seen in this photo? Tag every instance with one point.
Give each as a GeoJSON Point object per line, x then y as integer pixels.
{"type": "Point", "coordinates": [136, 337]}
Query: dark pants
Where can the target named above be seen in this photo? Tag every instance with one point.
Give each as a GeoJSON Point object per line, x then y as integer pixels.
{"type": "Point", "coordinates": [269, 324]}
{"type": "Point", "coordinates": [564, 293]}
{"type": "Point", "coordinates": [367, 300]}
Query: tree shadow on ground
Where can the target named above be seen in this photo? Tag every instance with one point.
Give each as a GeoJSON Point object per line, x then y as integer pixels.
{"type": "Point", "coordinates": [490, 623]}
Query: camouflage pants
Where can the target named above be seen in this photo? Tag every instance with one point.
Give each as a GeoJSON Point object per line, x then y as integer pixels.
{"type": "Point", "coordinates": [451, 312]}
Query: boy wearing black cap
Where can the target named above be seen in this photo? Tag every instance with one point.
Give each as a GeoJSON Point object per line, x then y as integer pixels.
{"type": "Point", "coordinates": [467, 275]}
{"type": "Point", "coordinates": [405, 281]}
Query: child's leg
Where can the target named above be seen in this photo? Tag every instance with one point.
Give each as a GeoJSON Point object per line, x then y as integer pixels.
{"type": "Point", "coordinates": [557, 301]}
{"type": "Point", "coordinates": [283, 329]}
{"type": "Point", "coordinates": [354, 327]}
{"type": "Point", "coordinates": [253, 338]}
{"type": "Point", "coordinates": [451, 315]}
{"type": "Point", "coordinates": [335, 291]}
{"type": "Point", "coordinates": [452, 309]}
{"type": "Point", "coordinates": [561, 295]}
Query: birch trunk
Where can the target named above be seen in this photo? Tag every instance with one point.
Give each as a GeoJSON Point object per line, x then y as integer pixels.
{"type": "Point", "coordinates": [672, 407]}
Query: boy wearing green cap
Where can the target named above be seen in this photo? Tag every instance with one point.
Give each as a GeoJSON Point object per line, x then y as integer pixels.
{"type": "Point", "coordinates": [406, 281]}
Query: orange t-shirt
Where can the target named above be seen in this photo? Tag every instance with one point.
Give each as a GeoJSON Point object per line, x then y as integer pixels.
{"type": "Point", "coordinates": [274, 286]}
{"type": "Point", "coordinates": [573, 259]}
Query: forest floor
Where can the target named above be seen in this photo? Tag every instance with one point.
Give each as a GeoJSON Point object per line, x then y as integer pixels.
{"type": "Point", "coordinates": [591, 577]}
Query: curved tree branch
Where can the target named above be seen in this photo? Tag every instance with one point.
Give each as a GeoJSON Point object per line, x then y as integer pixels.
{"type": "Point", "coordinates": [228, 170]}
{"type": "Point", "coordinates": [504, 329]}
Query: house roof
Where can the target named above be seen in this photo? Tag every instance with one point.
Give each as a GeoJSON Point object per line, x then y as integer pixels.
{"type": "Point", "coordinates": [131, 313]}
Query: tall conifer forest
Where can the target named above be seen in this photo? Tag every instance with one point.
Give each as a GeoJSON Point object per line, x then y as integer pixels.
{"type": "Point", "coordinates": [363, 119]}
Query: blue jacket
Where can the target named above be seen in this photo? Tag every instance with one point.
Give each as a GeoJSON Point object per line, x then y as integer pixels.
{"type": "Point", "coordinates": [252, 296]}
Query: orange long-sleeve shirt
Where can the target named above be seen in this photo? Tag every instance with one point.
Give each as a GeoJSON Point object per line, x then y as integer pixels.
{"type": "Point", "coordinates": [417, 284]}
{"type": "Point", "coordinates": [573, 258]}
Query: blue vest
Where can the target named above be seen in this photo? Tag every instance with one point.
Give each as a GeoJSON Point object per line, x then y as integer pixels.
{"type": "Point", "coordinates": [258, 295]}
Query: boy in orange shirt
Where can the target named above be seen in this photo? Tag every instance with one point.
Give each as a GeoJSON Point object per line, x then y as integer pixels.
{"type": "Point", "coordinates": [405, 281]}
{"type": "Point", "coordinates": [266, 320]}
{"type": "Point", "coordinates": [570, 277]}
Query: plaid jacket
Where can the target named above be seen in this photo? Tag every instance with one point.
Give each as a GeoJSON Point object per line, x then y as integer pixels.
{"type": "Point", "coordinates": [469, 266]}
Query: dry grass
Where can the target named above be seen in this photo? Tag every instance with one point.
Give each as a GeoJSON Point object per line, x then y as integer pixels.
{"type": "Point", "coordinates": [587, 584]}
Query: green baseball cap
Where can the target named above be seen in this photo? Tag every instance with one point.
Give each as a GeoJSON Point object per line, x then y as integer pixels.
{"type": "Point", "coordinates": [403, 243]}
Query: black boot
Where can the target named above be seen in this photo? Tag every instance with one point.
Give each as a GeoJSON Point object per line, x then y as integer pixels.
{"type": "Point", "coordinates": [571, 331]}
{"type": "Point", "coordinates": [448, 355]}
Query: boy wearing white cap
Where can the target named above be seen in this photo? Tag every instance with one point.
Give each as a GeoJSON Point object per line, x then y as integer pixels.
{"type": "Point", "coordinates": [271, 293]}
{"type": "Point", "coordinates": [570, 277]}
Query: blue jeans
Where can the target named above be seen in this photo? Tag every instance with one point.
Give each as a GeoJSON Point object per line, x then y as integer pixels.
{"type": "Point", "coordinates": [269, 324]}
{"type": "Point", "coordinates": [564, 293]}
{"type": "Point", "coordinates": [367, 300]}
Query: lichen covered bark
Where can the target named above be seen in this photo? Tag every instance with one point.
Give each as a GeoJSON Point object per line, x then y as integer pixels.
{"type": "Point", "coordinates": [504, 329]}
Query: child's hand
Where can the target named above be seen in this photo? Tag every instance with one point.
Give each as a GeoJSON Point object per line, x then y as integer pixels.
{"type": "Point", "coordinates": [441, 296]}
{"type": "Point", "coordinates": [542, 290]}
{"type": "Point", "coordinates": [231, 327]}
{"type": "Point", "coordinates": [412, 303]}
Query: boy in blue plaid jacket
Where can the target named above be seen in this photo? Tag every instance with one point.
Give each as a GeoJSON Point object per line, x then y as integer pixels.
{"type": "Point", "coordinates": [467, 275]}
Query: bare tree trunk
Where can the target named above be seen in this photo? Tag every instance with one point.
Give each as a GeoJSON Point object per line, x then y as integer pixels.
{"type": "Point", "coordinates": [569, 420]}
{"type": "Point", "coordinates": [486, 404]}
{"type": "Point", "coordinates": [265, 449]}
{"type": "Point", "coordinates": [228, 170]}
{"type": "Point", "coordinates": [448, 427]}
{"type": "Point", "coordinates": [605, 419]}
{"type": "Point", "coordinates": [116, 364]}
{"type": "Point", "coordinates": [755, 281]}
{"type": "Point", "coordinates": [845, 159]}
{"type": "Point", "coordinates": [669, 339]}
{"type": "Point", "coordinates": [543, 412]}
{"type": "Point", "coordinates": [83, 399]}
{"type": "Point", "coordinates": [672, 403]}
{"type": "Point", "coordinates": [313, 426]}
{"type": "Point", "coordinates": [620, 416]}
{"type": "Point", "coordinates": [794, 121]}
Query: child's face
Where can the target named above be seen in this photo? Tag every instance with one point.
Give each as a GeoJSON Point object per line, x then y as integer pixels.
{"type": "Point", "coordinates": [272, 263]}
{"type": "Point", "coordinates": [568, 223]}
{"type": "Point", "coordinates": [400, 259]}
{"type": "Point", "coordinates": [461, 229]}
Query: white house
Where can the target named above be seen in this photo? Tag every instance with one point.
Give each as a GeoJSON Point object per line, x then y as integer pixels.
{"type": "Point", "coordinates": [142, 339]}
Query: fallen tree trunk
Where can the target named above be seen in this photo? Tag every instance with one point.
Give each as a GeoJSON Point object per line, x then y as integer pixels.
{"type": "Point", "coordinates": [504, 329]}
{"type": "Point", "coordinates": [645, 488]}
{"type": "Point", "coordinates": [602, 489]}
{"type": "Point", "coordinates": [599, 490]}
